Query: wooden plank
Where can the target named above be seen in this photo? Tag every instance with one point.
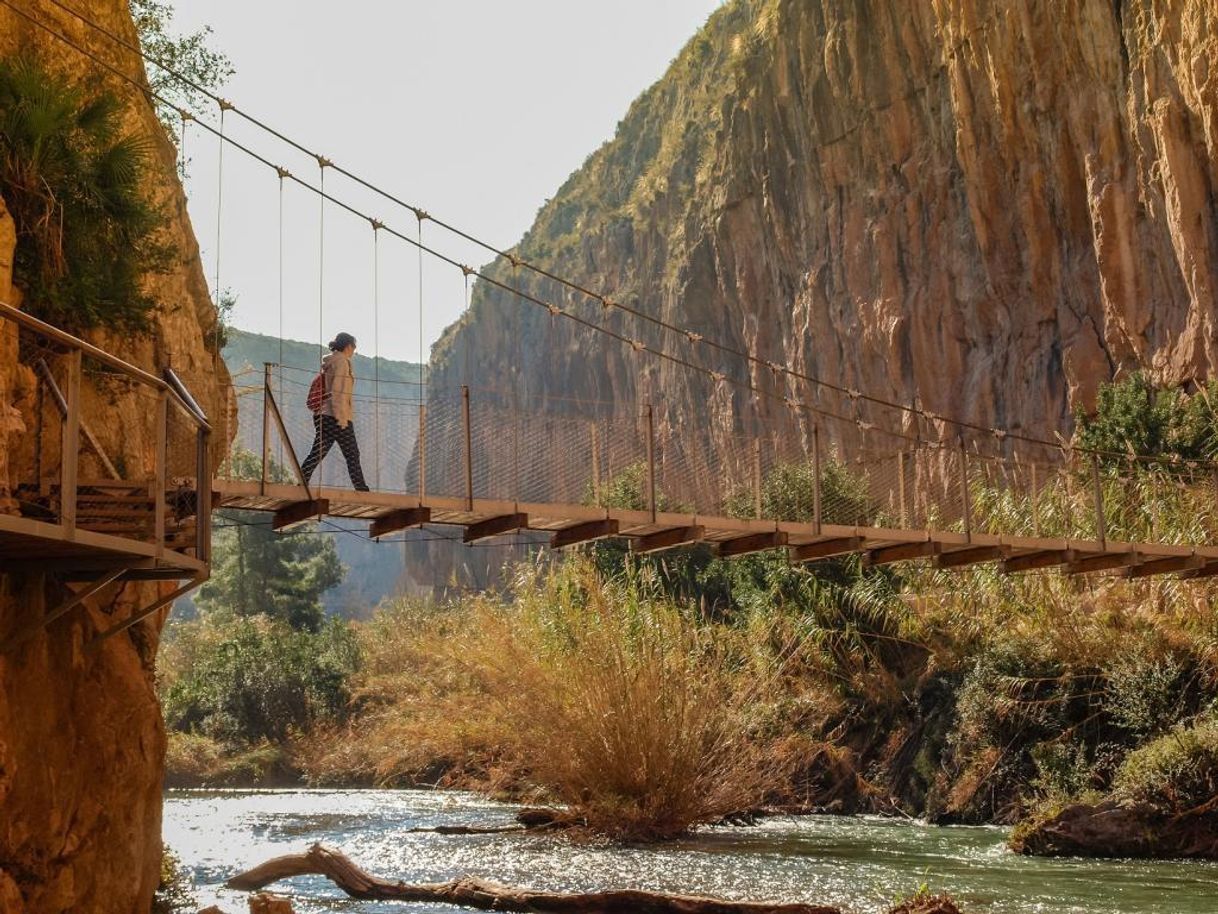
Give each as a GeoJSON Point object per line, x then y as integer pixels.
{"type": "Point", "coordinates": [1105, 562]}
{"type": "Point", "coordinates": [902, 552]}
{"type": "Point", "coordinates": [1207, 571]}
{"type": "Point", "coordinates": [754, 542]}
{"type": "Point", "coordinates": [73, 600]}
{"type": "Point", "coordinates": [826, 549]}
{"type": "Point", "coordinates": [495, 526]}
{"type": "Point", "coordinates": [583, 533]}
{"type": "Point", "coordinates": [963, 557]}
{"type": "Point", "coordinates": [1167, 565]}
{"type": "Point", "coordinates": [401, 519]}
{"type": "Point", "coordinates": [299, 512]}
{"type": "Point", "coordinates": [1045, 558]}
{"type": "Point", "coordinates": [666, 539]}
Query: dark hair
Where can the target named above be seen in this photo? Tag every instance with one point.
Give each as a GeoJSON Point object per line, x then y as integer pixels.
{"type": "Point", "coordinates": [341, 342]}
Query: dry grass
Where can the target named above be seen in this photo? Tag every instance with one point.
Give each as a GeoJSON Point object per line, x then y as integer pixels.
{"type": "Point", "coordinates": [618, 707]}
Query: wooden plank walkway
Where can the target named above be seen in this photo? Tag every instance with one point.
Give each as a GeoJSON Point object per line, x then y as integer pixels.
{"type": "Point", "coordinates": [569, 524]}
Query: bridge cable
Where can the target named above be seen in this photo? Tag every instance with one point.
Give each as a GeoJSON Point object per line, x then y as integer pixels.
{"type": "Point", "coordinates": [554, 310]}
{"type": "Point", "coordinates": [282, 403]}
{"type": "Point", "coordinates": [376, 352]}
{"type": "Point", "coordinates": [605, 301]}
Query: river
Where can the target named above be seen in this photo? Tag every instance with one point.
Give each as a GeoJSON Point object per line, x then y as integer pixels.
{"type": "Point", "coordinates": [860, 864]}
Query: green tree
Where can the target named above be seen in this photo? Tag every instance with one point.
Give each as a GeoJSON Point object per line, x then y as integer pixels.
{"type": "Point", "coordinates": [256, 571]}
{"type": "Point", "coordinates": [1136, 418]}
{"type": "Point", "coordinates": [254, 679]}
{"type": "Point", "coordinates": [73, 179]}
{"type": "Point", "coordinates": [191, 55]}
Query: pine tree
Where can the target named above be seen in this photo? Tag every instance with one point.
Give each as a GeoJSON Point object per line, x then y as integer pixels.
{"type": "Point", "coordinates": [256, 571]}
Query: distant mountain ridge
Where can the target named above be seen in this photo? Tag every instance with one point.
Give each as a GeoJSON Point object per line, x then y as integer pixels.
{"type": "Point", "coordinates": [245, 350]}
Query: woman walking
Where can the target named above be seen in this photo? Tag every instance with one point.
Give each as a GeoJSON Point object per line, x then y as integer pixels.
{"type": "Point", "coordinates": [333, 418]}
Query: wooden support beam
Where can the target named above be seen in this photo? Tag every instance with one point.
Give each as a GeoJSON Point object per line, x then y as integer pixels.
{"type": "Point", "coordinates": [69, 603]}
{"type": "Point", "coordinates": [583, 533]}
{"type": "Point", "coordinates": [144, 613]}
{"type": "Point", "coordinates": [666, 539]}
{"type": "Point", "coordinates": [826, 549]}
{"type": "Point", "coordinates": [754, 542]}
{"type": "Point", "coordinates": [299, 511]}
{"type": "Point", "coordinates": [1104, 562]}
{"type": "Point", "coordinates": [1186, 563]}
{"type": "Point", "coordinates": [1209, 570]}
{"type": "Point", "coordinates": [973, 556]}
{"type": "Point", "coordinates": [399, 520]}
{"type": "Point", "coordinates": [901, 552]}
{"type": "Point", "coordinates": [495, 526]}
{"type": "Point", "coordinates": [1046, 558]}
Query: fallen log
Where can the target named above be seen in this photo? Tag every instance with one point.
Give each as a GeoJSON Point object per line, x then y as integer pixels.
{"type": "Point", "coordinates": [489, 896]}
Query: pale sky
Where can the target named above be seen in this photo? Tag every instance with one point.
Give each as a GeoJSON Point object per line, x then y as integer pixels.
{"type": "Point", "coordinates": [475, 110]}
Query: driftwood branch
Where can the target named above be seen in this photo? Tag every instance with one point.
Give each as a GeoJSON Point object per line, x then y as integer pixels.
{"type": "Point", "coordinates": [488, 896]}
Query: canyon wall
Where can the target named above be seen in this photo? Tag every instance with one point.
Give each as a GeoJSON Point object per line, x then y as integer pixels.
{"type": "Point", "coordinates": [81, 736]}
{"type": "Point", "coordinates": [987, 206]}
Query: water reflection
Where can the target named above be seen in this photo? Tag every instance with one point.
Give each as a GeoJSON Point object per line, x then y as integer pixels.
{"type": "Point", "coordinates": [860, 864]}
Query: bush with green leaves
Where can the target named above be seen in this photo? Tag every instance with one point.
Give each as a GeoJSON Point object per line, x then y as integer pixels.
{"type": "Point", "coordinates": [244, 680]}
{"type": "Point", "coordinates": [788, 493]}
{"type": "Point", "coordinates": [1177, 772]}
{"type": "Point", "coordinates": [1136, 418]}
{"type": "Point", "coordinates": [88, 234]}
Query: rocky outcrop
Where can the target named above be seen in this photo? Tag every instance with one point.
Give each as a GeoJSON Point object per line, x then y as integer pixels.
{"type": "Point", "coordinates": [1112, 829]}
{"type": "Point", "coordinates": [987, 206]}
{"type": "Point", "coordinates": [81, 737]}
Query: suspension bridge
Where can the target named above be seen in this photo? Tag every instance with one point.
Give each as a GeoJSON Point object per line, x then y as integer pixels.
{"type": "Point", "coordinates": [860, 474]}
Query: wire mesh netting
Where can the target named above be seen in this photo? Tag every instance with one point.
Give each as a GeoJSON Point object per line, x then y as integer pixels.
{"type": "Point", "coordinates": [458, 443]}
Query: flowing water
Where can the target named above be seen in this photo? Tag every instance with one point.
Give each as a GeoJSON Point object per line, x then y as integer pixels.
{"type": "Point", "coordinates": [860, 864]}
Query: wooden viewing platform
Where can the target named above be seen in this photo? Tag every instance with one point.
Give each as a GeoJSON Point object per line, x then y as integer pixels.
{"type": "Point", "coordinates": [128, 525]}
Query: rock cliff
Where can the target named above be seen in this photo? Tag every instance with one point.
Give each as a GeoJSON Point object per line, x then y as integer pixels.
{"type": "Point", "coordinates": [989, 206]}
{"type": "Point", "coordinates": [81, 737]}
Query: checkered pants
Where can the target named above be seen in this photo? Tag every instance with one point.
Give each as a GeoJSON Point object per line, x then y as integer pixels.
{"type": "Point", "coordinates": [326, 432]}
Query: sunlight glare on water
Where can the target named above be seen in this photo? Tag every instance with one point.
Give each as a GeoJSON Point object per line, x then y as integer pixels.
{"type": "Point", "coordinates": [860, 864]}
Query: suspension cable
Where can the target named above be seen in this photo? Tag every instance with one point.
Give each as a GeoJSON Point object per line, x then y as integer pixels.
{"type": "Point", "coordinates": [606, 301]}
{"type": "Point", "coordinates": [637, 345]}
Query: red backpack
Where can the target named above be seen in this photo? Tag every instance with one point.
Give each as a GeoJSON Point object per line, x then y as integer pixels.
{"type": "Point", "coordinates": [317, 393]}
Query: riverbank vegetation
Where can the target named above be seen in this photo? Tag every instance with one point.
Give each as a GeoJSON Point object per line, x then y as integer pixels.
{"type": "Point", "coordinates": [645, 696]}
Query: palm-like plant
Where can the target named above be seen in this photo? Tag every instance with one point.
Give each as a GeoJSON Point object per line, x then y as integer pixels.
{"type": "Point", "coordinates": [73, 182]}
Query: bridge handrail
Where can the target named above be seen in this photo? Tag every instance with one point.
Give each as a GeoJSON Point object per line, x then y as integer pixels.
{"type": "Point", "coordinates": [169, 389]}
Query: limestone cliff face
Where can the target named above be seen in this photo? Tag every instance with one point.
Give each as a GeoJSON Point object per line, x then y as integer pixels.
{"type": "Point", "coordinates": [990, 205]}
{"type": "Point", "coordinates": [81, 737]}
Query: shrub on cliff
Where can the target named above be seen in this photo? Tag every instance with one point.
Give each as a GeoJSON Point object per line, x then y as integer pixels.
{"type": "Point", "coordinates": [1134, 417]}
{"type": "Point", "coordinates": [74, 181]}
{"type": "Point", "coordinates": [1176, 773]}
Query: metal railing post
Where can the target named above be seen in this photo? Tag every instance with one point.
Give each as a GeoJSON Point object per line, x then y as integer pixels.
{"type": "Point", "coordinates": [816, 496]}
{"type": "Point", "coordinates": [966, 508]}
{"type": "Point", "coordinates": [469, 450]}
{"type": "Point", "coordinates": [901, 470]}
{"type": "Point", "coordinates": [651, 463]}
{"type": "Point", "coordinates": [203, 495]}
{"type": "Point", "coordinates": [1101, 524]}
{"type": "Point", "coordinates": [422, 452]}
{"type": "Point", "coordinates": [1035, 503]}
{"type": "Point", "coordinates": [596, 464]}
{"type": "Point", "coordinates": [757, 478]}
{"type": "Point", "coordinates": [266, 428]}
{"type": "Point", "coordinates": [70, 458]}
{"type": "Point", "coordinates": [161, 457]}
